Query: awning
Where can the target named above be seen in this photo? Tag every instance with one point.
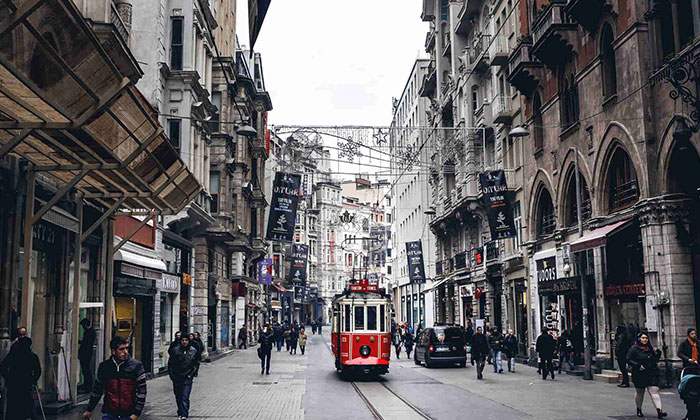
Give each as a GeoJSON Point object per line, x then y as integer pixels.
{"type": "Point", "coordinates": [438, 284]}
{"type": "Point", "coordinates": [69, 110]}
{"type": "Point", "coordinates": [140, 260]}
{"type": "Point", "coordinates": [597, 237]}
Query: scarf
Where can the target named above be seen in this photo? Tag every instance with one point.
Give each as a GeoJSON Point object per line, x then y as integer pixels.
{"type": "Point", "coordinates": [641, 347]}
{"type": "Point", "coordinates": [694, 344]}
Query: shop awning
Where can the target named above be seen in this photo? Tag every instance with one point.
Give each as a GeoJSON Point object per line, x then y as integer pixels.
{"type": "Point", "coordinates": [69, 110]}
{"type": "Point", "coordinates": [597, 237]}
{"type": "Point", "coordinates": [437, 284]}
{"type": "Point", "coordinates": [140, 260]}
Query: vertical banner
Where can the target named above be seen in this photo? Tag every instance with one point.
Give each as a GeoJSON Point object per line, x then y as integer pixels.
{"type": "Point", "coordinates": [495, 199]}
{"type": "Point", "coordinates": [297, 272]}
{"type": "Point", "coordinates": [414, 255]}
{"type": "Point", "coordinates": [283, 209]}
{"type": "Point", "coordinates": [265, 271]}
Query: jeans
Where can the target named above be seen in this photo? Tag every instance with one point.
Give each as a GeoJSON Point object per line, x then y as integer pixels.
{"type": "Point", "coordinates": [279, 344]}
{"type": "Point", "coordinates": [182, 390]}
{"type": "Point", "coordinates": [511, 364]}
{"type": "Point", "coordinates": [565, 356]}
{"type": "Point", "coordinates": [265, 361]}
{"type": "Point", "coordinates": [497, 356]}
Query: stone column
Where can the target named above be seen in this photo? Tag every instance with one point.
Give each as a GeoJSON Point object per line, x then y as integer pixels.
{"type": "Point", "coordinates": [200, 289]}
{"type": "Point", "coordinates": [124, 7]}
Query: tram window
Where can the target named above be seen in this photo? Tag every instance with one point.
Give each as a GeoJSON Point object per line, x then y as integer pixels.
{"type": "Point", "coordinates": [347, 318]}
{"type": "Point", "coordinates": [359, 318]}
{"type": "Point", "coordinates": [382, 320]}
{"type": "Point", "coordinates": [372, 318]}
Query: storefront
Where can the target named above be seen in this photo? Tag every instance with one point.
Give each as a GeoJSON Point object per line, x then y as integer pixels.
{"type": "Point", "coordinates": [520, 301]}
{"type": "Point", "coordinates": [168, 290]}
{"type": "Point", "coordinates": [466, 293]}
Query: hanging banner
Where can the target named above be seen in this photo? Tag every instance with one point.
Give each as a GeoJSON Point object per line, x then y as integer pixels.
{"type": "Point", "coordinates": [414, 255]}
{"type": "Point", "coordinates": [283, 210]}
{"type": "Point", "coordinates": [265, 271]}
{"type": "Point", "coordinates": [496, 200]}
{"type": "Point", "coordinates": [297, 272]}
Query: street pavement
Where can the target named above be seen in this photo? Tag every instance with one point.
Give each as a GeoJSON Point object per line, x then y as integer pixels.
{"type": "Point", "coordinates": [307, 387]}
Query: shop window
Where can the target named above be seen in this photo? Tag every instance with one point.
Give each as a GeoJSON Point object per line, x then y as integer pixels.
{"type": "Point", "coordinates": [537, 129]}
{"type": "Point", "coordinates": [609, 69]}
{"type": "Point", "coordinates": [546, 221]}
{"type": "Point", "coordinates": [622, 182]}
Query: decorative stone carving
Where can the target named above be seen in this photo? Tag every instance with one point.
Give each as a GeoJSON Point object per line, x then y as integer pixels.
{"type": "Point", "coordinates": [662, 211]}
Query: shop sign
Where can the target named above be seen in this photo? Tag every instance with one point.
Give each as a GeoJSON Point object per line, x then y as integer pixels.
{"type": "Point", "coordinates": [414, 255]}
{"type": "Point", "coordinates": [467, 291]}
{"type": "Point", "coordinates": [546, 273]}
{"type": "Point", "coordinates": [170, 283]}
{"type": "Point", "coordinates": [286, 192]}
{"type": "Point", "coordinates": [495, 198]}
{"type": "Point", "coordinates": [265, 271]}
{"type": "Point", "coordinates": [629, 291]}
{"type": "Point", "coordinates": [187, 279]}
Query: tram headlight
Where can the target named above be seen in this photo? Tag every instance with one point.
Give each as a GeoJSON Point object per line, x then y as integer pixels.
{"type": "Point", "coordinates": [365, 351]}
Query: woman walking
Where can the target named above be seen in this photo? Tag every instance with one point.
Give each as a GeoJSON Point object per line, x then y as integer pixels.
{"type": "Point", "coordinates": [303, 338]}
{"type": "Point", "coordinates": [397, 338]}
{"type": "Point", "coordinates": [293, 339]}
{"type": "Point", "coordinates": [408, 343]}
{"type": "Point", "coordinates": [645, 373]}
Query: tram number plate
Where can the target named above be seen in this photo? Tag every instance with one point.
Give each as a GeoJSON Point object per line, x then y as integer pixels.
{"type": "Point", "coordinates": [442, 349]}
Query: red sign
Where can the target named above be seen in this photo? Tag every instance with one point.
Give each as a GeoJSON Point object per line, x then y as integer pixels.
{"type": "Point", "coordinates": [479, 257]}
{"type": "Point", "coordinates": [267, 142]}
{"type": "Point", "coordinates": [363, 286]}
{"type": "Point", "coordinates": [478, 292]}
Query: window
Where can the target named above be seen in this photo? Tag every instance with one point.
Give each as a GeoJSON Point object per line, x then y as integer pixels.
{"type": "Point", "coordinates": [347, 318]}
{"type": "Point", "coordinates": [545, 214]}
{"type": "Point", "coordinates": [234, 207]}
{"type": "Point", "coordinates": [176, 41]}
{"type": "Point", "coordinates": [669, 32]}
{"type": "Point", "coordinates": [571, 209]}
{"type": "Point", "coordinates": [518, 222]}
{"type": "Point", "coordinates": [388, 269]}
{"type": "Point", "coordinates": [609, 69]}
{"type": "Point", "coordinates": [254, 222]}
{"type": "Point", "coordinates": [568, 98]}
{"type": "Point", "coordinates": [538, 130]}
{"type": "Point", "coordinates": [359, 318]}
{"type": "Point", "coordinates": [215, 125]}
{"type": "Point", "coordinates": [174, 132]}
{"type": "Point", "coordinates": [622, 181]}
{"type": "Point", "coordinates": [382, 316]}
{"type": "Point", "coordinates": [214, 188]}
{"type": "Point", "coordinates": [372, 318]}
{"type": "Point", "coordinates": [449, 172]}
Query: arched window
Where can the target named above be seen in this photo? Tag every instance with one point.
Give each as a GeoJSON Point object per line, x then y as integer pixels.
{"type": "Point", "coordinates": [537, 129]}
{"type": "Point", "coordinates": [609, 69]}
{"type": "Point", "coordinates": [568, 98]}
{"type": "Point", "coordinates": [623, 190]}
{"type": "Point", "coordinates": [571, 215]}
{"type": "Point", "coordinates": [546, 220]}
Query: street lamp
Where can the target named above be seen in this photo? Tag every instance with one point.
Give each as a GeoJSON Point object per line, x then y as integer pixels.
{"type": "Point", "coordinates": [519, 131]}
{"type": "Point", "coordinates": [246, 130]}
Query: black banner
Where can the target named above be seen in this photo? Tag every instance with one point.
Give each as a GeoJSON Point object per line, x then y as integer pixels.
{"type": "Point", "coordinates": [414, 255]}
{"type": "Point", "coordinates": [497, 203]}
{"type": "Point", "coordinates": [297, 271]}
{"type": "Point", "coordinates": [283, 209]}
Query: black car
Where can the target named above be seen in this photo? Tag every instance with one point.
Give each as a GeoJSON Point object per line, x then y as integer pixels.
{"type": "Point", "coordinates": [441, 345]}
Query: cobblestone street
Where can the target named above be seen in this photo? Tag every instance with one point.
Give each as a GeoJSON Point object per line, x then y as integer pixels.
{"type": "Point", "coordinates": [306, 387]}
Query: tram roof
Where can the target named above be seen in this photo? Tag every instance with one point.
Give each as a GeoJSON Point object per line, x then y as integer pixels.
{"type": "Point", "coordinates": [361, 295]}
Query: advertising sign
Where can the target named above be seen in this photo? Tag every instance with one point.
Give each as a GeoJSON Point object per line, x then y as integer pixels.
{"type": "Point", "coordinates": [297, 271]}
{"type": "Point", "coordinates": [265, 271]}
{"type": "Point", "coordinates": [496, 200]}
{"type": "Point", "coordinates": [283, 210]}
{"type": "Point", "coordinates": [414, 255]}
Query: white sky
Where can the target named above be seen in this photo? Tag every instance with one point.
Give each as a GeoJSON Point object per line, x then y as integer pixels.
{"type": "Point", "coordinates": [337, 62]}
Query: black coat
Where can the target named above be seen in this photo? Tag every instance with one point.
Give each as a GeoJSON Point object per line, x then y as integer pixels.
{"type": "Point", "coordinates": [545, 346]}
{"type": "Point", "coordinates": [183, 362]}
{"type": "Point", "coordinates": [408, 341]}
{"type": "Point", "coordinates": [21, 368]}
{"type": "Point", "coordinates": [685, 353]}
{"type": "Point", "coordinates": [266, 340]}
{"type": "Point", "coordinates": [496, 342]}
{"type": "Point", "coordinates": [86, 345]}
{"type": "Point", "coordinates": [623, 342]}
{"type": "Point", "coordinates": [637, 357]}
{"type": "Point", "coordinates": [480, 347]}
{"type": "Point", "coordinates": [511, 345]}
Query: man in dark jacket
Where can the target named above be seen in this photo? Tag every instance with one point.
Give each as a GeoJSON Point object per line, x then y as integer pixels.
{"type": "Point", "coordinates": [122, 380]}
{"type": "Point", "coordinates": [183, 366]}
{"type": "Point", "coordinates": [21, 370]}
{"type": "Point", "coordinates": [623, 342]}
{"type": "Point", "coordinates": [278, 336]}
{"type": "Point", "coordinates": [510, 346]}
{"type": "Point", "coordinates": [176, 341]}
{"type": "Point", "coordinates": [564, 348]}
{"type": "Point", "coordinates": [688, 349]}
{"type": "Point", "coordinates": [480, 349]}
{"type": "Point", "coordinates": [242, 337]}
{"type": "Point", "coordinates": [85, 353]}
{"type": "Point", "coordinates": [266, 340]}
{"type": "Point", "coordinates": [496, 344]}
{"type": "Point", "coordinates": [545, 347]}
{"type": "Point", "coordinates": [320, 325]}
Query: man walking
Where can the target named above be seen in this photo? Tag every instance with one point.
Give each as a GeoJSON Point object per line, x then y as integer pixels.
{"type": "Point", "coordinates": [545, 347]}
{"type": "Point", "coordinates": [242, 338]}
{"type": "Point", "coordinates": [21, 370]}
{"type": "Point", "coordinates": [688, 349]}
{"type": "Point", "coordinates": [496, 344]}
{"type": "Point", "coordinates": [293, 339]}
{"type": "Point", "coordinates": [277, 333]}
{"type": "Point", "coordinates": [565, 348]}
{"type": "Point", "coordinates": [122, 380]}
{"type": "Point", "coordinates": [511, 348]}
{"type": "Point", "coordinates": [266, 339]}
{"type": "Point", "coordinates": [480, 349]}
{"type": "Point", "coordinates": [85, 353]}
{"type": "Point", "coordinates": [623, 342]}
{"type": "Point", "coordinates": [320, 324]}
{"type": "Point", "coordinates": [182, 368]}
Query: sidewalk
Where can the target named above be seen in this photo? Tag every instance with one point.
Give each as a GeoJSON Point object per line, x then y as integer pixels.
{"type": "Point", "coordinates": [230, 387]}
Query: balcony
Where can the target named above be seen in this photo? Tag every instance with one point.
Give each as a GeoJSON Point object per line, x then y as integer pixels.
{"type": "Point", "coordinates": [461, 261]}
{"type": "Point", "coordinates": [255, 194]}
{"type": "Point", "coordinates": [478, 56]}
{"type": "Point", "coordinates": [553, 35]}
{"type": "Point", "coordinates": [429, 86]}
{"type": "Point", "coordinates": [498, 52]}
{"type": "Point", "coordinates": [257, 146]}
{"type": "Point", "coordinates": [258, 244]}
{"type": "Point", "coordinates": [501, 110]}
{"type": "Point", "coordinates": [623, 195]}
{"type": "Point", "coordinates": [429, 41]}
{"type": "Point", "coordinates": [438, 268]}
{"type": "Point", "coordinates": [493, 251]}
{"type": "Point", "coordinates": [587, 12]}
{"type": "Point", "coordinates": [465, 17]}
{"type": "Point", "coordinates": [525, 71]}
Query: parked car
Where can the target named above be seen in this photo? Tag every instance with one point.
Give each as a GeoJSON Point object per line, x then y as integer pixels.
{"type": "Point", "coordinates": [441, 345]}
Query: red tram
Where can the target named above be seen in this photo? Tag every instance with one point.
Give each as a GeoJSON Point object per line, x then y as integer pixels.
{"type": "Point", "coordinates": [360, 334]}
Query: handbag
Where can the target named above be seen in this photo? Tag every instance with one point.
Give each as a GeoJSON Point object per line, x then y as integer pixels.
{"type": "Point", "coordinates": [260, 353]}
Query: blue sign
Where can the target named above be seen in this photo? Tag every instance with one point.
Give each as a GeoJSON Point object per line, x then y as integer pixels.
{"type": "Point", "coordinates": [265, 271]}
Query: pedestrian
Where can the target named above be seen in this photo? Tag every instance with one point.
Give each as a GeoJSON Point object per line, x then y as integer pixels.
{"type": "Point", "coordinates": [266, 341]}
{"type": "Point", "coordinates": [287, 337]}
{"type": "Point", "coordinates": [487, 334]}
{"type": "Point", "coordinates": [21, 370]}
{"type": "Point", "coordinates": [122, 380]}
{"type": "Point", "coordinates": [182, 368]}
{"type": "Point", "coordinates": [480, 349]}
{"type": "Point", "coordinates": [419, 329]}
{"type": "Point", "coordinates": [396, 338]}
{"type": "Point", "coordinates": [545, 347]}
{"type": "Point", "coordinates": [242, 337]}
{"type": "Point", "coordinates": [408, 343]}
{"type": "Point", "coordinates": [645, 373]}
{"type": "Point", "coordinates": [688, 349]}
{"type": "Point", "coordinates": [496, 344]}
{"type": "Point", "coordinates": [293, 339]}
{"type": "Point", "coordinates": [313, 327]}
{"type": "Point", "coordinates": [303, 338]}
{"type": "Point", "coordinates": [176, 341]}
{"type": "Point", "coordinates": [277, 334]}
{"type": "Point", "coordinates": [85, 353]}
{"type": "Point", "coordinates": [623, 342]}
{"type": "Point", "coordinates": [510, 346]}
{"type": "Point", "coordinates": [565, 348]}
{"type": "Point", "coordinates": [320, 324]}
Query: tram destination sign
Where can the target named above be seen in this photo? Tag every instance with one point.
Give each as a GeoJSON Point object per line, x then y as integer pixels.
{"type": "Point", "coordinates": [496, 200]}
{"type": "Point", "coordinates": [286, 192]}
{"type": "Point", "coordinates": [414, 255]}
